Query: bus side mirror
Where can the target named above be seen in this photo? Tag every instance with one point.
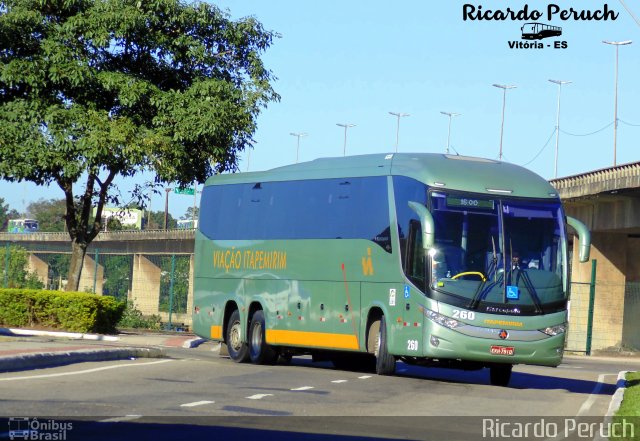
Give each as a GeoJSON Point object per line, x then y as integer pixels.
{"type": "Point", "coordinates": [426, 222]}
{"type": "Point", "coordinates": [583, 236]}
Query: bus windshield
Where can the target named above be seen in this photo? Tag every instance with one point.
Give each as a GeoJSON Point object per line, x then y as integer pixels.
{"type": "Point", "coordinates": [498, 255]}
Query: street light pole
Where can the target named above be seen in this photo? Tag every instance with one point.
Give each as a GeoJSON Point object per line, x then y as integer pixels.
{"type": "Point", "coordinates": [166, 207]}
{"type": "Point", "coordinates": [398, 115]}
{"type": "Point", "coordinates": [559, 83]}
{"type": "Point", "coordinates": [346, 126]}
{"type": "Point", "coordinates": [617, 44]}
{"type": "Point", "coordinates": [450, 115]}
{"type": "Point", "coordinates": [298, 135]}
{"type": "Point", "coordinates": [504, 88]}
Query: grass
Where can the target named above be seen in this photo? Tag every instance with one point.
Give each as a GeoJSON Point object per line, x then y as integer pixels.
{"type": "Point", "coordinates": [631, 402]}
{"type": "Point", "coordinates": [630, 406]}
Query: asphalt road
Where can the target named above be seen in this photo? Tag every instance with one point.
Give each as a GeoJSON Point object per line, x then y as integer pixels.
{"type": "Point", "coordinates": [196, 394]}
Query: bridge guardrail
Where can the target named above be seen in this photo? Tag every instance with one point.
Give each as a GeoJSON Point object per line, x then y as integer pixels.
{"type": "Point", "coordinates": [182, 233]}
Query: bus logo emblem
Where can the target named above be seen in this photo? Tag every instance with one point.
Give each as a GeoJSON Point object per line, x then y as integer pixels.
{"type": "Point", "coordinates": [503, 334]}
{"type": "Point", "coordinates": [367, 264]}
{"type": "Point", "coordinates": [538, 31]}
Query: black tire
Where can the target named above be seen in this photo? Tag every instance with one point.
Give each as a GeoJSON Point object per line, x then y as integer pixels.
{"type": "Point", "coordinates": [238, 350]}
{"type": "Point", "coordinates": [377, 345]}
{"type": "Point", "coordinates": [500, 374]}
{"type": "Point", "coordinates": [259, 351]}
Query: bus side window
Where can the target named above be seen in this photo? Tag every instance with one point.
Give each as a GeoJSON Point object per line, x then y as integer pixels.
{"type": "Point", "coordinates": [415, 254]}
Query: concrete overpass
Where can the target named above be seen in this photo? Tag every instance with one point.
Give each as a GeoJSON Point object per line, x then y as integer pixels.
{"type": "Point", "coordinates": [142, 245]}
{"type": "Point", "coordinates": [608, 202]}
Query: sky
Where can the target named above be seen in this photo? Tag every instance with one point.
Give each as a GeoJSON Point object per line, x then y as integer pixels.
{"type": "Point", "coordinates": [354, 61]}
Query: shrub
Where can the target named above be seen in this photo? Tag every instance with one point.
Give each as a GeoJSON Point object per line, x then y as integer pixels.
{"type": "Point", "coordinates": [70, 311]}
{"type": "Point", "coordinates": [133, 318]}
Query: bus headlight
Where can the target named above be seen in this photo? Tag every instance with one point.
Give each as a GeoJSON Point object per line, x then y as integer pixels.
{"type": "Point", "coordinates": [442, 320]}
{"type": "Point", "coordinates": [554, 330]}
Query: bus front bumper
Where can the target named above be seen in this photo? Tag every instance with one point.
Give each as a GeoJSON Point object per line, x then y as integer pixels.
{"type": "Point", "coordinates": [444, 343]}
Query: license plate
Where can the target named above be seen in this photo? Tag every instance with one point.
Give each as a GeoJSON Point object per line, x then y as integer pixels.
{"type": "Point", "coordinates": [502, 350]}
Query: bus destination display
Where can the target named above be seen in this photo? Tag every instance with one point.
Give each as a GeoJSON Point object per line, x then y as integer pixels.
{"type": "Point", "coordinates": [457, 202]}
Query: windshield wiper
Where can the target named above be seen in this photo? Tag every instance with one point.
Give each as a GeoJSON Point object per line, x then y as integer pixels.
{"type": "Point", "coordinates": [483, 290]}
{"type": "Point", "coordinates": [532, 290]}
{"type": "Point", "coordinates": [492, 270]}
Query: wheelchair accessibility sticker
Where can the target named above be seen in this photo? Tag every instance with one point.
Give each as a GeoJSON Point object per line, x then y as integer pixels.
{"type": "Point", "coordinates": [513, 293]}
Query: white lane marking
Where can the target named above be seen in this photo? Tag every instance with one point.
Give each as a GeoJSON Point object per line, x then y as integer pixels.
{"type": "Point", "coordinates": [121, 419]}
{"type": "Point", "coordinates": [586, 406]}
{"type": "Point", "coordinates": [303, 388]}
{"type": "Point", "coordinates": [197, 403]}
{"type": "Point", "coordinates": [86, 371]}
{"type": "Point", "coordinates": [339, 381]}
{"type": "Point", "coordinates": [569, 367]}
{"type": "Point", "coordinates": [364, 377]}
{"type": "Point", "coordinates": [259, 396]}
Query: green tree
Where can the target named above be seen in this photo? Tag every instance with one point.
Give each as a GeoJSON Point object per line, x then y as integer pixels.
{"type": "Point", "coordinates": [16, 273]}
{"type": "Point", "coordinates": [156, 221]}
{"type": "Point", "coordinates": [180, 284]}
{"type": "Point", "coordinates": [189, 214]}
{"type": "Point", "coordinates": [6, 213]}
{"type": "Point", "coordinates": [91, 90]}
{"type": "Point", "coordinates": [48, 213]}
{"type": "Point", "coordinates": [117, 275]}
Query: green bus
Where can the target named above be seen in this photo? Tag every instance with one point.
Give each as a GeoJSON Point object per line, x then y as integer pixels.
{"type": "Point", "coordinates": [430, 259]}
{"type": "Point", "coordinates": [22, 226]}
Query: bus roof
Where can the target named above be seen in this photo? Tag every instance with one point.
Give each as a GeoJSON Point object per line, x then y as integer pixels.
{"type": "Point", "coordinates": [456, 172]}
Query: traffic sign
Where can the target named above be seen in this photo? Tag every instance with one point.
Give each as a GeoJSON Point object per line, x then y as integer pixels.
{"type": "Point", "coordinates": [186, 190]}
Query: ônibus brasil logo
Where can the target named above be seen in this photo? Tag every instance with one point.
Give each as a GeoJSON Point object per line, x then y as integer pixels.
{"type": "Point", "coordinates": [534, 29]}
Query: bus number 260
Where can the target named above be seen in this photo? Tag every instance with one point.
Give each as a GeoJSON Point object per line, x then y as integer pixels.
{"type": "Point", "coordinates": [412, 345]}
{"type": "Point", "coordinates": [464, 315]}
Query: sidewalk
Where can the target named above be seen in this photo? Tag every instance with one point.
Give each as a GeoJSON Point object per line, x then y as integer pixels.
{"type": "Point", "coordinates": [22, 349]}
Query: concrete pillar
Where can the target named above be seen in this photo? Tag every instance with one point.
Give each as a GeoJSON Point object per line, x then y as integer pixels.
{"type": "Point", "coordinates": [145, 286]}
{"type": "Point", "coordinates": [610, 288]}
{"type": "Point", "coordinates": [631, 327]}
{"type": "Point", "coordinates": [88, 277]}
{"type": "Point", "coordinates": [40, 267]}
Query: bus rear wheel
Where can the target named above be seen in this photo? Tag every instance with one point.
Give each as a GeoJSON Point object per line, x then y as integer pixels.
{"type": "Point", "coordinates": [238, 350]}
{"type": "Point", "coordinates": [259, 351]}
{"type": "Point", "coordinates": [377, 344]}
{"type": "Point", "coordinates": [500, 374]}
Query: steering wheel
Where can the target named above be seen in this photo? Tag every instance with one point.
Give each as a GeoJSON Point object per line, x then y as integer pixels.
{"type": "Point", "coordinates": [470, 273]}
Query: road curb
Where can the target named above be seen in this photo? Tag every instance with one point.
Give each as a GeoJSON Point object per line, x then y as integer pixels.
{"type": "Point", "coordinates": [616, 399]}
{"type": "Point", "coordinates": [193, 343]}
{"type": "Point", "coordinates": [50, 359]}
{"type": "Point", "coordinates": [614, 405]}
{"type": "Point", "coordinates": [60, 334]}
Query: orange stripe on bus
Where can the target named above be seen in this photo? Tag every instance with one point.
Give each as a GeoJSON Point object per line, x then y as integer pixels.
{"type": "Point", "coordinates": [312, 339]}
{"type": "Point", "coordinates": [216, 332]}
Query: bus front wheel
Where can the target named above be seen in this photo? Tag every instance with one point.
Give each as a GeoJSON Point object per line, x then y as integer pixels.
{"type": "Point", "coordinates": [377, 344]}
{"type": "Point", "coordinates": [238, 350]}
{"type": "Point", "coordinates": [500, 374]}
{"type": "Point", "coordinates": [259, 351]}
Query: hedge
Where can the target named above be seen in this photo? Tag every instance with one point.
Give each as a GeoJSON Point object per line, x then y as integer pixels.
{"type": "Point", "coordinates": [69, 311]}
